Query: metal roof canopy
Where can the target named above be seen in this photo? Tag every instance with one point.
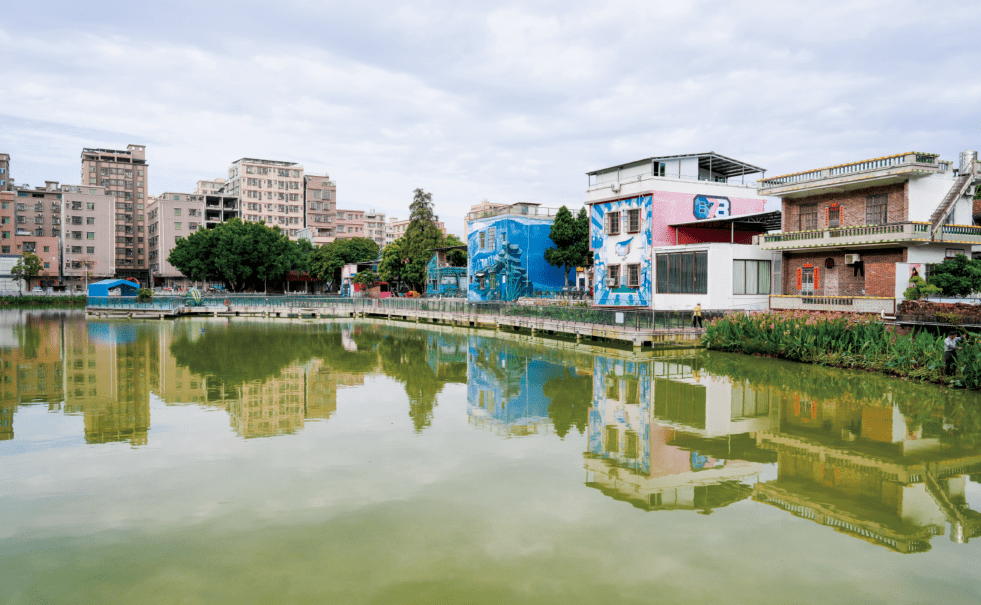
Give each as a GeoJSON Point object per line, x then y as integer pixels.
{"type": "Point", "coordinates": [715, 162]}
{"type": "Point", "coordinates": [126, 287]}
{"type": "Point", "coordinates": [759, 221]}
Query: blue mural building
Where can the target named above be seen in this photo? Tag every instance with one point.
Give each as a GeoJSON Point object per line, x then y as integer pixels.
{"type": "Point", "coordinates": [442, 279]}
{"type": "Point", "coordinates": [506, 254]}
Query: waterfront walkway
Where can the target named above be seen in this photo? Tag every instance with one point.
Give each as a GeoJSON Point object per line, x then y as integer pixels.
{"type": "Point", "coordinates": [637, 328]}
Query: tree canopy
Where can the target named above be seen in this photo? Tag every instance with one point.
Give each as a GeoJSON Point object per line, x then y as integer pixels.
{"type": "Point", "coordinates": [241, 255]}
{"type": "Point", "coordinates": [28, 267]}
{"type": "Point", "coordinates": [405, 259]}
{"type": "Point", "coordinates": [327, 261]}
{"type": "Point", "coordinates": [958, 276]}
{"type": "Point", "coordinates": [571, 238]}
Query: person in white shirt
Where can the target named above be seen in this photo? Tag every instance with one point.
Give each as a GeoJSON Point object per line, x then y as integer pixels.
{"type": "Point", "coordinates": [952, 344]}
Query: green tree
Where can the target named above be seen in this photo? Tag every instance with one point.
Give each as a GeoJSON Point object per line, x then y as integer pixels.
{"type": "Point", "coordinates": [242, 255]}
{"type": "Point", "coordinates": [455, 258]}
{"type": "Point", "coordinates": [405, 259]}
{"type": "Point", "coordinates": [567, 236]}
{"type": "Point", "coordinates": [326, 262]}
{"type": "Point", "coordinates": [582, 239]}
{"type": "Point", "coordinates": [27, 268]}
{"type": "Point", "coordinates": [366, 278]}
{"type": "Point", "coordinates": [919, 288]}
{"type": "Point", "coordinates": [958, 276]}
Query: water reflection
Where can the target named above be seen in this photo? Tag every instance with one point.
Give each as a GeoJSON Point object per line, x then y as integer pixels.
{"type": "Point", "coordinates": [881, 460]}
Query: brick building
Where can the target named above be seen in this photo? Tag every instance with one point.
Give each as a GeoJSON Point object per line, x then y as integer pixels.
{"type": "Point", "coordinates": [18, 235]}
{"type": "Point", "coordinates": [854, 234]}
{"type": "Point", "coordinates": [125, 177]}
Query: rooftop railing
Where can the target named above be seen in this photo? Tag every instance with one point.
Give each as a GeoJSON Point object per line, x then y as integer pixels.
{"type": "Point", "coordinates": [536, 211]}
{"type": "Point", "coordinates": [902, 159]}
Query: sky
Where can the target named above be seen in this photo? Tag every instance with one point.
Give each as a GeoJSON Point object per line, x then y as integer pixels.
{"type": "Point", "coordinates": [505, 101]}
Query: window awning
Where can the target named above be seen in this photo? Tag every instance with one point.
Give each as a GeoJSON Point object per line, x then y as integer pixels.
{"type": "Point", "coordinates": [760, 221]}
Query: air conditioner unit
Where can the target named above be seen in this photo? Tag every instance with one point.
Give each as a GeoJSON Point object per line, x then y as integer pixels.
{"type": "Point", "coordinates": [851, 259]}
{"type": "Point", "coordinates": [611, 282]}
{"type": "Point", "coordinates": [615, 187]}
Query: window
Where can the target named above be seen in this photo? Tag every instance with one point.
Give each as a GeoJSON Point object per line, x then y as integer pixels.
{"type": "Point", "coordinates": [633, 276]}
{"type": "Point", "coordinates": [76, 249]}
{"type": "Point", "coordinates": [482, 240]}
{"type": "Point", "coordinates": [177, 226]}
{"type": "Point", "coordinates": [47, 248]}
{"type": "Point", "coordinates": [90, 235]}
{"type": "Point", "coordinates": [177, 211]}
{"type": "Point", "coordinates": [4, 249]}
{"type": "Point", "coordinates": [750, 277]}
{"type": "Point", "coordinates": [682, 273]}
{"type": "Point", "coordinates": [47, 265]}
{"type": "Point", "coordinates": [90, 249]}
{"type": "Point", "coordinates": [806, 280]}
{"type": "Point", "coordinates": [633, 220]}
{"type": "Point", "coordinates": [89, 206]}
{"type": "Point", "coordinates": [89, 220]}
{"type": "Point", "coordinates": [492, 237]}
{"type": "Point", "coordinates": [76, 235]}
{"type": "Point", "coordinates": [875, 209]}
{"type": "Point", "coordinates": [30, 246]}
{"type": "Point", "coordinates": [834, 216]}
{"type": "Point", "coordinates": [808, 217]}
{"type": "Point", "coordinates": [614, 276]}
{"type": "Point", "coordinates": [613, 223]}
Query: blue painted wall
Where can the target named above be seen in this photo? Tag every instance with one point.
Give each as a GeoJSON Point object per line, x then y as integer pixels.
{"type": "Point", "coordinates": [621, 249]}
{"type": "Point", "coordinates": [449, 281]}
{"type": "Point", "coordinates": [521, 258]}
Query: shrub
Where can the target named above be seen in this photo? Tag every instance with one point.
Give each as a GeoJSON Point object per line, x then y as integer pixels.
{"type": "Point", "coordinates": [144, 295]}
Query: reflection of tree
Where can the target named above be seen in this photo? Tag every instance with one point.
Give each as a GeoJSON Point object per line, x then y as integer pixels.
{"type": "Point", "coordinates": [569, 399]}
{"type": "Point", "coordinates": [28, 338]}
{"type": "Point", "coordinates": [404, 359]}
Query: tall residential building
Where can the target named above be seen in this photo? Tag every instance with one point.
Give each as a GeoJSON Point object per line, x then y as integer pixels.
{"type": "Point", "coordinates": [483, 209]}
{"type": "Point", "coordinates": [374, 227]}
{"type": "Point", "coordinates": [6, 183]}
{"type": "Point", "coordinates": [18, 235]}
{"type": "Point", "coordinates": [320, 200]}
{"type": "Point", "coordinates": [171, 216]}
{"type": "Point", "coordinates": [396, 228]}
{"type": "Point", "coordinates": [271, 192]}
{"type": "Point", "coordinates": [88, 217]}
{"type": "Point", "coordinates": [125, 176]}
{"type": "Point", "coordinates": [213, 187]}
{"type": "Point", "coordinates": [350, 224]}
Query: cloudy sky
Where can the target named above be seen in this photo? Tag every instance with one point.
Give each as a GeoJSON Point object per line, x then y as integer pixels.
{"type": "Point", "coordinates": [509, 101]}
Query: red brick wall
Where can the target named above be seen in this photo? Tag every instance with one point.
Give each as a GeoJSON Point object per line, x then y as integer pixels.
{"type": "Point", "coordinates": [879, 279]}
{"type": "Point", "coordinates": [852, 205]}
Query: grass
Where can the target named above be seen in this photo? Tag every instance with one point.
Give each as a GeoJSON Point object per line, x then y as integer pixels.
{"type": "Point", "coordinates": [42, 301]}
{"type": "Point", "coordinates": [845, 341]}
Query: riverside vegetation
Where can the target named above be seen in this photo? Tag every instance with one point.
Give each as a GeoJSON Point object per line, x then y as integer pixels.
{"type": "Point", "coordinates": [844, 341]}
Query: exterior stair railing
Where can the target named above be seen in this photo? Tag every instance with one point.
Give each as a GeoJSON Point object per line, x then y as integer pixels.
{"type": "Point", "coordinates": [963, 181]}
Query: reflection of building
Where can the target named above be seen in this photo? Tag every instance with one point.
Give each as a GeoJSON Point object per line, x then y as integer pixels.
{"type": "Point", "coordinates": [272, 407]}
{"type": "Point", "coordinates": [654, 431]}
{"type": "Point", "coordinates": [30, 363]}
{"type": "Point", "coordinates": [109, 370]}
{"type": "Point", "coordinates": [321, 391]}
{"type": "Point", "coordinates": [505, 390]}
{"type": "Point", "coordinates": [864, 472]}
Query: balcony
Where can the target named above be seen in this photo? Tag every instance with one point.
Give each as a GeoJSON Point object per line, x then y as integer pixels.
{"type": "Point", "coordinates": [870, 235]}
{"type": "Point", "coordinates": [864, 173]}
{"type": "Point", "coordinates": [844, 304]}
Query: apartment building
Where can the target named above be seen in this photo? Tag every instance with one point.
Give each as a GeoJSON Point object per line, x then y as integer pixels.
{"type": "Point", "coordinates": [88, 213]}
{"type": "Point", "coordinates": [270, 191]}
{"type": "Point", "coordinates": [320, 201]}
{"type": "Point", "coordinates": [484, 208]}
{"type": "Point", "coordinates": [350, 224]}
{"type": "Point", "coordinates": [125, 177]}
{"type": "Point", "coordinates": [18, 236]}
{"type": "Point", "coordinates": [169, 217]}
{"type": "Point", "coordinates": [6, 183]}
{"type": "Point", "coordinates": [374, 225]}
{"type": "Point", "coordinates": [854, 234]}
{"type": "Point", "coordinates": [212, 187]}
{"type": "Point", "coordinates": [396, 227]}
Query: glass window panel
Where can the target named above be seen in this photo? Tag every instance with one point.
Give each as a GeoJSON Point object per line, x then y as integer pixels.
{"type": "Point", "coordinates": [687, 273]}
{"type": "Point", "coordinates": [662, 273]}
{"type": "Point", "coordinates": [764, 277]}
{"type": "Point", "coordinates": [752, 282]}
{"type": "Point", "coordinates": [739, 277]}
{"type": "Point", "coordinates": [701, 273]}
{"type": "Point", "coordinates": [674, 273]}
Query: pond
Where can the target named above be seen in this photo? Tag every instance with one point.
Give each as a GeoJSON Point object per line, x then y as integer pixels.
{"type": "Point", "coordinates": [275, 461]}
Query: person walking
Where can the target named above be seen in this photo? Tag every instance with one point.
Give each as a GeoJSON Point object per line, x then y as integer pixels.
{"type": "Point", "coordinates": [696, 315]}
{"type": "Point", "coordinates": [952, 344]}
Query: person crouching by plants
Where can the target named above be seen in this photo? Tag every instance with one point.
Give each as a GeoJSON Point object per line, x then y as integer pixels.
{"type": "Point", "coordinates": [696, 316]}
{"type": "Point", "coordinates": [952, 344]}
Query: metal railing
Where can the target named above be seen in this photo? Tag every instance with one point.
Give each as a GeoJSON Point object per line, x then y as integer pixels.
{"type": "Point", "coordinates": [855, 167]}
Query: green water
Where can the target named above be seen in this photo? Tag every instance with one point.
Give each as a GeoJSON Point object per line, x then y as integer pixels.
{"type": "Point", "coordinates": [208, 461]}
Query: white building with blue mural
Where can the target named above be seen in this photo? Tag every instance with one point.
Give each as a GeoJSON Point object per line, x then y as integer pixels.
{"type": "Point", "coordinates": [702, 201]}
{"type": "Point", "coordinates": [506, 254]}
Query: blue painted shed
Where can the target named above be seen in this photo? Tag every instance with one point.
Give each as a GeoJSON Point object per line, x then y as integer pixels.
{"type": "Point", "coordinates": [126, 287]}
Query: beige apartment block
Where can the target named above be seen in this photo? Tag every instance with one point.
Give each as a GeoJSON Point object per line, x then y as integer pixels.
{"type": "Point", "coordinates": [320, 200]}
{"type": "Point", "coordinates": [374, 227]}
{"type": "Point", "coordinates": [212, 187]}
{"type": "Point", "coordinates": [484, 208]}
{"type": "Point", "coordinates": [125, 176]}
{"type": "Point", "coordinates": [350, 224]}
{"type": "Point", "coordinates": [396, 228]}
{"type": "Point", "coordinates": [172, 216]}
{"type": "Point", "coordinates": [16, 239]}
{"type": "Point", "coordinates": [88, 217]}
{"type": "Point", "coordinates": [270, 191]}
{"type": "Point", "coordinates": [6, 183]}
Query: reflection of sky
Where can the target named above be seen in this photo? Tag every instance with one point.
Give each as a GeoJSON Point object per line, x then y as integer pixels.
{"type": "Point", "coordinates": [361, 508]}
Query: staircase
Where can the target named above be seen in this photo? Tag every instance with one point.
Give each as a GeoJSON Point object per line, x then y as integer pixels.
{"type": "Point", "coordinates": [963, 181]}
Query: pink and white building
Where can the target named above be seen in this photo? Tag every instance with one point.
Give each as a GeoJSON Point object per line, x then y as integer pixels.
{"type": "Point", "coordinates": [672, 231]}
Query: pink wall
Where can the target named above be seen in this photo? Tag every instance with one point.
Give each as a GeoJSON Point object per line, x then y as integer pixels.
{"type": "Point", "coordinates": [670, 207]}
